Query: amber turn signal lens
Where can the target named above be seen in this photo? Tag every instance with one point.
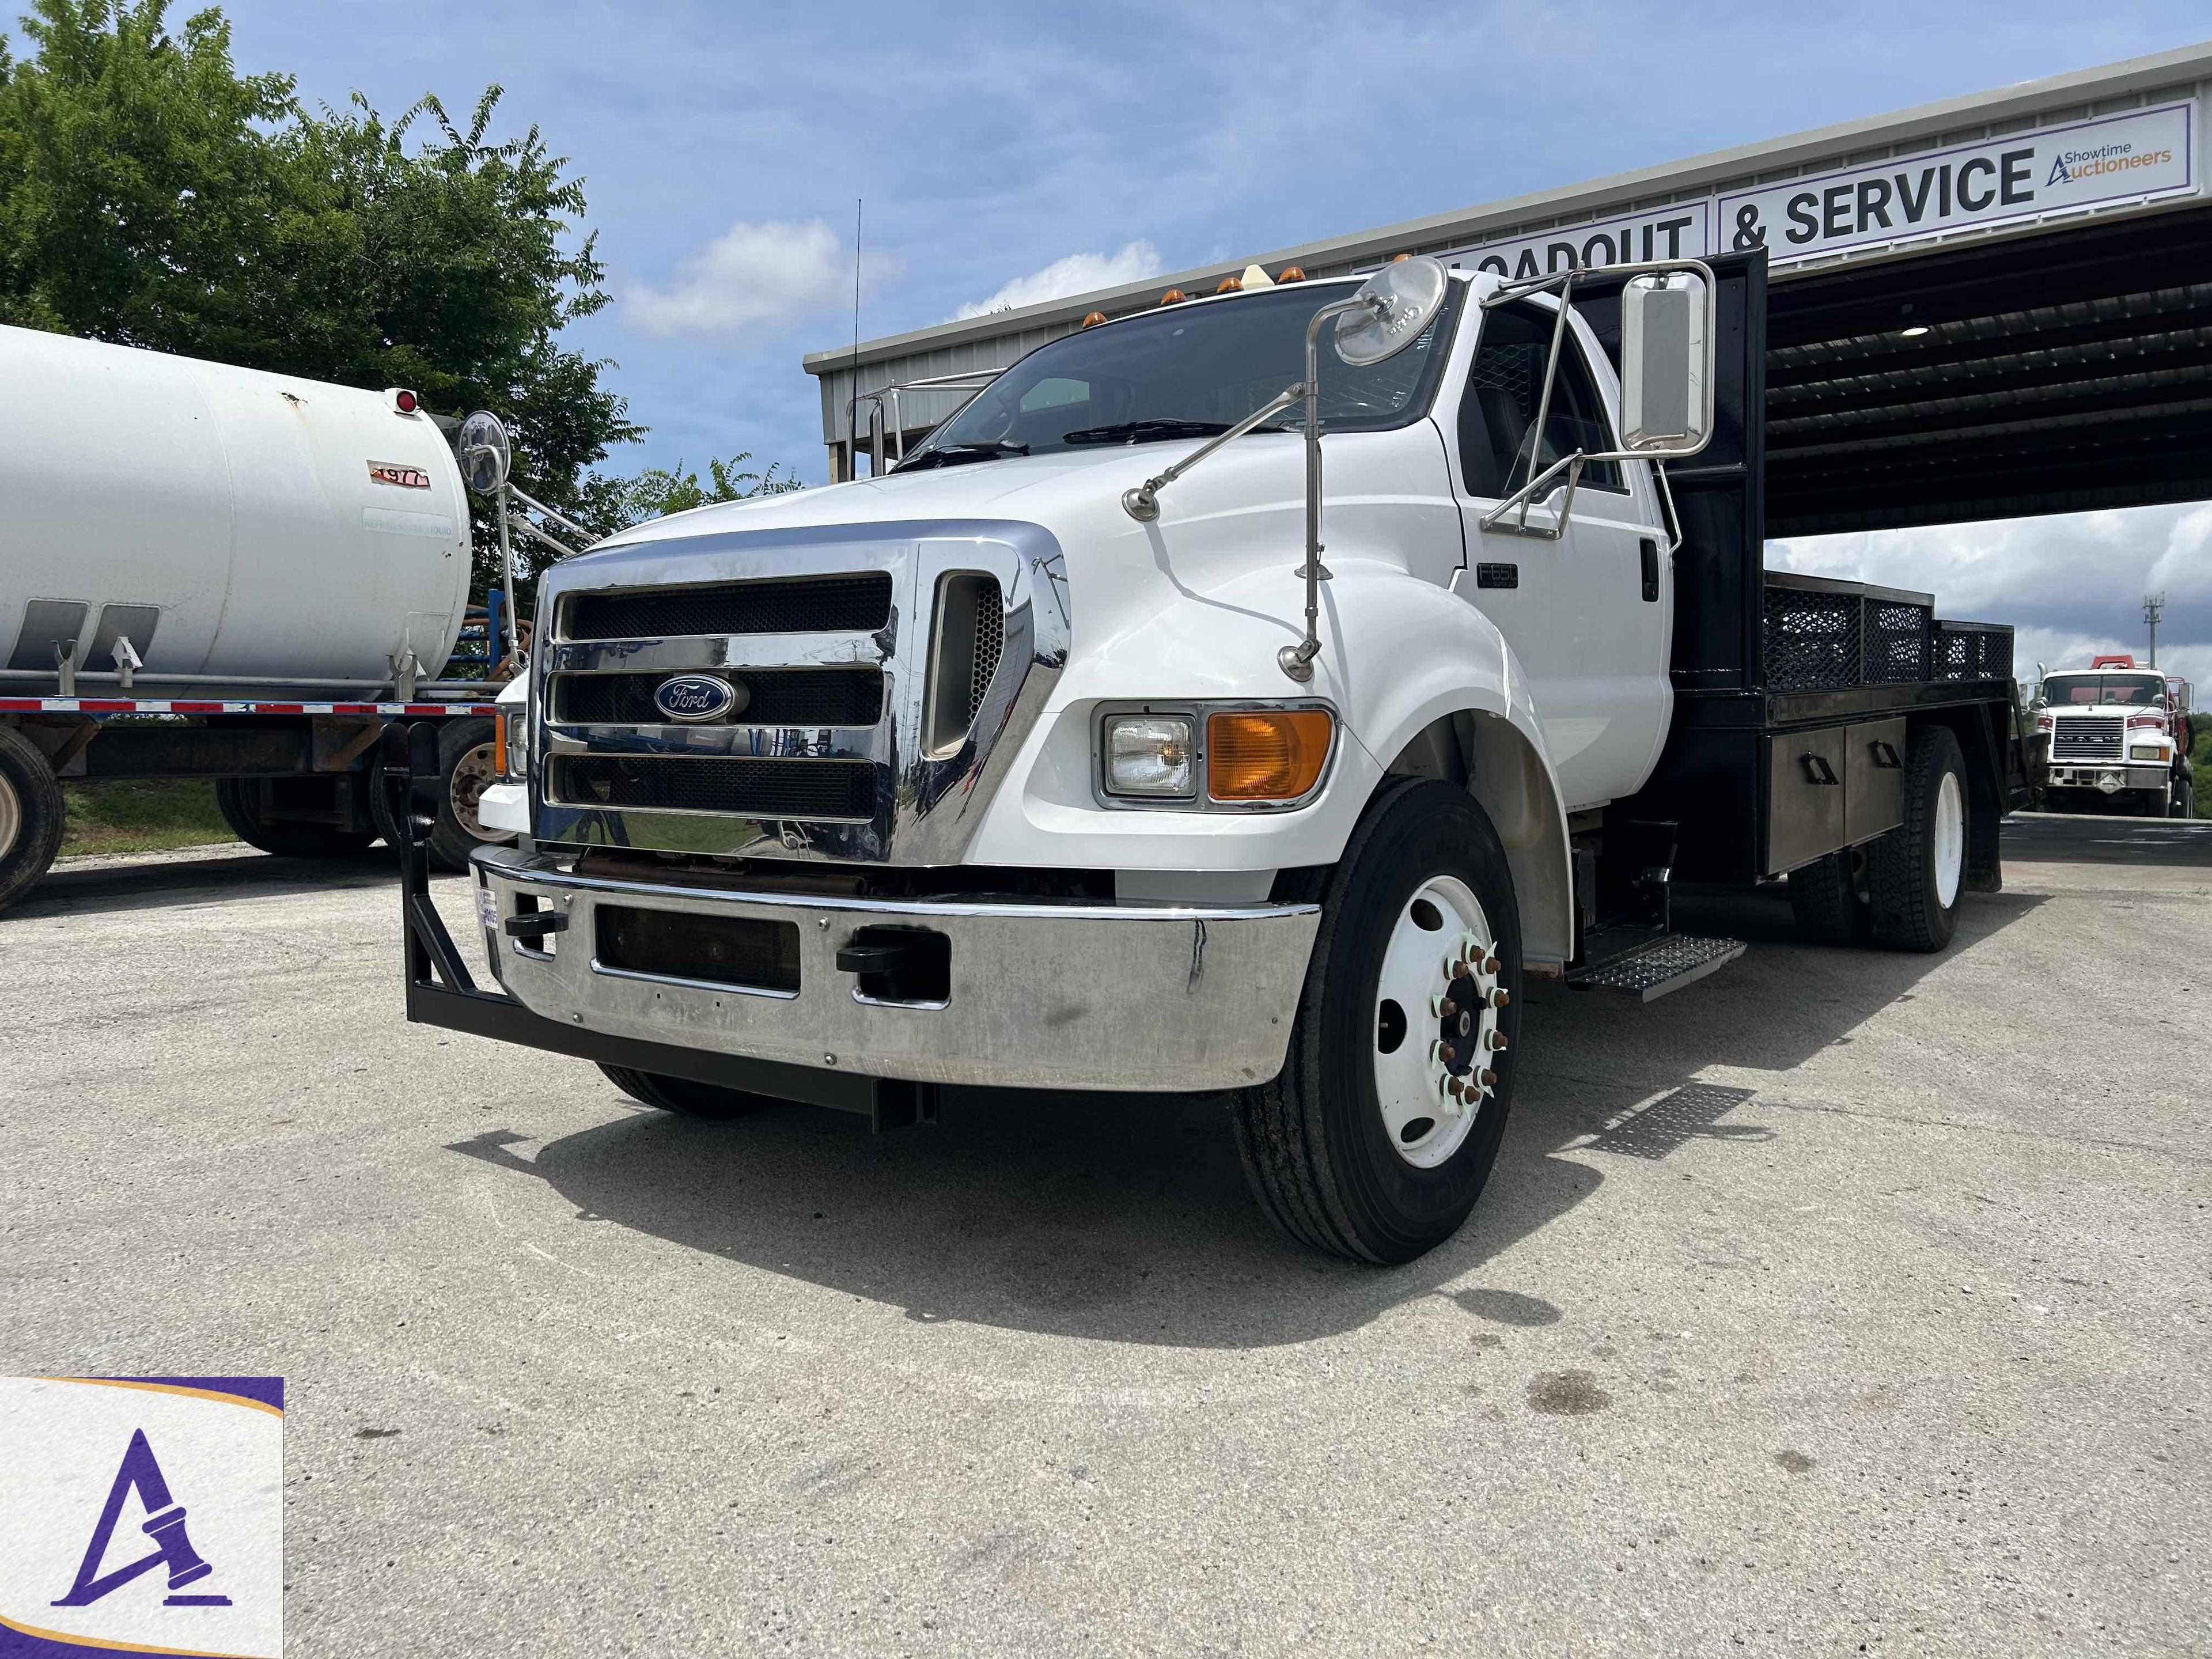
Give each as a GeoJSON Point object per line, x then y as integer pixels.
{"type": "Point", "coordinates": [499, 746]}
{"type": "Point", "coordinates": [1266, 753]}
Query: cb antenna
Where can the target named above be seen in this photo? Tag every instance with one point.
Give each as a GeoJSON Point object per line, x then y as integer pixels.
{"type": "Point", "coordinates": [853, 422]}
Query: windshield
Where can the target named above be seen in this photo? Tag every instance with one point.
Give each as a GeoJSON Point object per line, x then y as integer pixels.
{"type": "Point", "coordinates": [1184, 371]}
{"type": "Point", "coordinates": [2137, 691]}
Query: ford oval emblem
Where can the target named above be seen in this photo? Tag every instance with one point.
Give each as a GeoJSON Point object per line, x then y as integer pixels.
{"type": "Point", "coordinates": [691, 697]}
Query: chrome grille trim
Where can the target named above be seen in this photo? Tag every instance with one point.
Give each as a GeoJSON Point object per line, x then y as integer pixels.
{"type": "Point", "coordinates": [927, 807]}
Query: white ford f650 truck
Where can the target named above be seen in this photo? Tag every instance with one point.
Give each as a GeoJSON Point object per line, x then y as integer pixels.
{"type": "Point", "coordinates": [1251, 694]}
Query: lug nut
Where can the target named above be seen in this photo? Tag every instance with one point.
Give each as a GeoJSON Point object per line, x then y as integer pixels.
{"type": "Point", "coordinates": [1488, 1079]}
{"type": "Point", "coordinates": [1495, 1041]}
{"type": "Point", "coordinates": [1499, 997]}
{"type": "Point", "coordinates": [1436, 1055]}
{"type": "Point", "coordinates": [1490, 963]}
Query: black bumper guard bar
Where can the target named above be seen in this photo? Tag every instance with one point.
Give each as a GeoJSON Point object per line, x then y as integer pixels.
{"type": "Point", "coordinates": [440, 990]}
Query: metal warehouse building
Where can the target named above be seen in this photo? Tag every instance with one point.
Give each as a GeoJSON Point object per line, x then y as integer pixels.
{"type": "Point", "coordinates": [1986, 307]}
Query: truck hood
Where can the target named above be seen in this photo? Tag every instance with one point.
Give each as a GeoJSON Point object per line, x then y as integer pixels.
{"type": "Point", "coordinates": [1230, 535]}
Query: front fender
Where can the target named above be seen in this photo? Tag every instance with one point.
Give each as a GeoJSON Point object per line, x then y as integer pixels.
{"type": "Point", "coordinates": [1411, 655]}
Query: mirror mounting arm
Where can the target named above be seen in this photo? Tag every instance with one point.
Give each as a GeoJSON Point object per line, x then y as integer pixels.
{"type": "Point", "coordinates": [1297, 660]}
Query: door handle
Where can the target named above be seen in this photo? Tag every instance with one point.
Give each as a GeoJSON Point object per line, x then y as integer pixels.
{"type": "Point", "coordinates": [1817, 769]}
{"type": "Point", "coordinates": [1885, 756]}
{"type": "Point", "coordinates": [1648, 552]}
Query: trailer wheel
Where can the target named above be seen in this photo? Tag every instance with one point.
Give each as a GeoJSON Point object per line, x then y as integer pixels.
{"type": "Point", "coordinates": [1824, 902]}
{"type": "Point", "coordinates": [1374, 1140]}
{"type": "Point", "coordinates": [239, 800]}
{"type": "Point", "coordinates": [1916, 871]}
{"type": "Point", "coordinates": [2185, 799]}
{"type": "Point", "coordinates": [677, 1094]}
{"type": "Point", "coordinates": [30, 815]}
{"type": "Point", "coordinates": [465, 771]}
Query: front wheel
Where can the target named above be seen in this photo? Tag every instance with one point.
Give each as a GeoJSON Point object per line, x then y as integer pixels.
{"type": "Point", "coordinates": [2184, 800]}
{"type": "Point", "coordinates": [682, 1095]}
{"type": "Point", "coordinates": [1375, 1140]}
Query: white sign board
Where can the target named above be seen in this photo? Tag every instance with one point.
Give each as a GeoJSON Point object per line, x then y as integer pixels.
{"type": "Point", "coordinates": [2139, 155]}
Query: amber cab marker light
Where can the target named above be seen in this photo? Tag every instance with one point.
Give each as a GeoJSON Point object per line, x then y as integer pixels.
{"type": "Point", "coordinates": [1230, 285]}
{"type": "Point", "coordinates": [1094, 319]}
{"type": "Point", "coordinates": [1292, 274]}
{"type": "Point", "coordinates": [1174, 296]}
{"type": "Point", "coordinates": [1266, 753]}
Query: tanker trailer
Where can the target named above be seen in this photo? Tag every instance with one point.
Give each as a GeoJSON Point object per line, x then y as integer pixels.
{"type": "Point", "coordinates": [211, 572]}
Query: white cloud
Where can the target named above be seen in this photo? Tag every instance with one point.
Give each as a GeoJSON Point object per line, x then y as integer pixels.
{"type": "Point", "coordinates": [2071, 585]}
{"type": "Point", "coordinates": [753, 279]}
{"type": "Point", "coordinates": [1079, 273]}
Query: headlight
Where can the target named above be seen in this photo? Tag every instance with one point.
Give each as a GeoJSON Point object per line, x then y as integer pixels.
{"type": "Point", "coordinates": [511, 742]}
{"type": "Point", "coordinates": [1151, 756]}
{"type": "Point", "coordinates": [1248, 758]}
{"type": "Point", "coordinates": [2149, 751]}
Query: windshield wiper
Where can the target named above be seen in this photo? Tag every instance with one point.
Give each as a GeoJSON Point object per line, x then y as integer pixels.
{"type": "Point", "coordinates": [984, 449]}
{"type": "Point", "coordinates": [1138, 432]}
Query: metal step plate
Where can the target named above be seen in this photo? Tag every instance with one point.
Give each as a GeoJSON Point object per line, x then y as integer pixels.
{"type": "Point", "coordinates": [1665, 964]}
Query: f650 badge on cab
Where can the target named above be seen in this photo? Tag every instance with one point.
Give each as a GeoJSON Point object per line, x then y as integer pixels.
{"type": "Point", "coordinates": [691, 697]}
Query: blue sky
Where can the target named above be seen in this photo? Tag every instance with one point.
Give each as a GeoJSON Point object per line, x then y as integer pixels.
{"type": "Point", "coordinates": [723, 146]}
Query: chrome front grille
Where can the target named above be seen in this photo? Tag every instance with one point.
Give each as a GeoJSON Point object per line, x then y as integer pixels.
{"type": "Point", "coordinates": [819, 604]}
{"type": "Point", "coordinates": [772, 696]}
{"type": "Point", "coordinates": [887, 673]}
{"type": "Point", "coordinates": [842, 790]}
{"type": "Point", "coordinates": [2087, 736]}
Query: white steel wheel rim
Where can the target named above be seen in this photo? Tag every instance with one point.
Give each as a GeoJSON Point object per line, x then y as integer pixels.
{"type": "Point", "coordinates": [11, 815]}
{"type": "Point", "coordinates": [1950, 840]}
{"type": "Point", "coordinates": [1440, 955]}
{"type": "Point", "coordinates": [473, 774]}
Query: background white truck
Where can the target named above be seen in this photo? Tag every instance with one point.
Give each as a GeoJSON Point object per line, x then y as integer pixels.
{"type": "Point", "coordinates": [2113, 737]}
{"type": "Point", "coordinates": [217, 573]}
{"type": "Point", "coordinates": [1114, 741]}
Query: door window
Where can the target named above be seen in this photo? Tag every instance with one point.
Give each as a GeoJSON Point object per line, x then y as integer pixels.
{"type": "Point", "coordinates": [1499, 448]}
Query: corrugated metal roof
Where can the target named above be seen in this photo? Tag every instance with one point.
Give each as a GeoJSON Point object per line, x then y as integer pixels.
{"type": "Point", "coordinates": [999, 338]}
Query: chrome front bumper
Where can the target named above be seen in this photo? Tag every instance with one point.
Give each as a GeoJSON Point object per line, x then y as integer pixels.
{"type": "Point", "coordinates": [2111, 776]}
{"type": "Point", "coordinates": [1043, 993]}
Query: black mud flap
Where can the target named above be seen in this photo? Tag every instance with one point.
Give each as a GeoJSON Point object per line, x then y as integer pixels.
{"type": "Point", "coordinates": [440, 990]}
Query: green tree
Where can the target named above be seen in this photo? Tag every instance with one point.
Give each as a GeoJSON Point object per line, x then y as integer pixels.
{"type": "Point", "coordinates": [658, 491]}
{"type": "Point", "coordinates": [152, 196]}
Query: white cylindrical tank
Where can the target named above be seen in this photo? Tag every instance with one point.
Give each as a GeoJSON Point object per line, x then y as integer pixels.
{"type": "Point", "coordinates": [227, 521]}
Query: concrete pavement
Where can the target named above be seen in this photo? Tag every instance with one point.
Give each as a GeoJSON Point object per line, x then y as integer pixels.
{"type": "Point", "coordinates": [1846, 1302]}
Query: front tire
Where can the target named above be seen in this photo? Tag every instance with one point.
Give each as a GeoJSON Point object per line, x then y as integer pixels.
{"type": "Point", "coordinates": [1916, 871]}
{"type": "Point", "coordinates": [2185, 799]}
{"type": "Point", "coordinates": [683, 1096]}
{"type": "Point", "coordinates": [1375, 1140]}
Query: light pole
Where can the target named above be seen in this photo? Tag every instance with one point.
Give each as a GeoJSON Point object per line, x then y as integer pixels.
{"type": "Point", "coordinates": [2154, 607]}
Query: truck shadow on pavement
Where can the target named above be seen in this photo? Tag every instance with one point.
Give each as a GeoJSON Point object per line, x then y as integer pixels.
{"type": "Point", "coordinates": [189, 882]}
{"type": "Point", "coordinates": [1125, 1218]}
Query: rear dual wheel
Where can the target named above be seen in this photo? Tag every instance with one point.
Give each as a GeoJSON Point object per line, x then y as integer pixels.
{"type": "Point", "coordinates": [30, 815]}
{"type": "Point", "coordinates": [246, 807]}
{"type": "Point", "coordinates": [467, 766]}
{"type": "Point", "coordinates": [1915, 872]}
{"type": "Point", "coordinates": [1375, 1140]}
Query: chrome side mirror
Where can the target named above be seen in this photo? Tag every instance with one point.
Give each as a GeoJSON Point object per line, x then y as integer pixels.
{"type": "Point", "coordinates": [485, 455]}
{"type": "Point", "coordinates": [1667, 347]}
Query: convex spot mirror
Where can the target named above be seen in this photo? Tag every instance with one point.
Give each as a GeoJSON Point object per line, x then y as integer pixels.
{"type": "Point", "coordinates": [484, 451]}
{"type": "Point", "coordinates": [1668, 331]}
{"type": "Point", "coordinates": [1392, 307]}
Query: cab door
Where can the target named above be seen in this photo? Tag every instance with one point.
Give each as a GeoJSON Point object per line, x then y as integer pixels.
{"type": "Point", "coordinates": [1590, 614]}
